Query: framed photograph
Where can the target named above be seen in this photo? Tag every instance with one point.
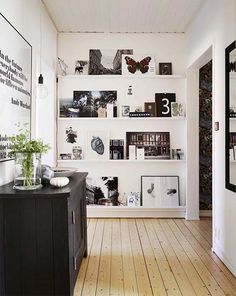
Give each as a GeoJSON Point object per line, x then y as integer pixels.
{"type": "Point", "coordinates": [177, 109]}
{"type": "Point", "coordinates": [156, 144]}
{"type": "Point", "coordinates": [87, 103]}
{"type": "Point", "coordinates": [125, 110]}
{"type": "Point", "coordinates": [116, 149]}
{"type": "Point", "coordinates": [177, 154]}
{"type": "Point", "coordinates": [81, 67]}
{"type": "Point", "coordinates": [15, 86]}
{"type": "Point", "coordinates": [165, 68]}
{"type": "Point", "coordinates": [102, 190]}
{"type": "Point", "coordinates": [106, 61]}
{"type": "Point", "coordinates": [136, 109]}
{"type": "Point", "coordinates": [163, 104]}
{"type": "Point", "coordinates": [160, 191]}
{"type": "Point", "coordinates": [97, 145]}
{"type": "Point", "coordinates": [138, 65]}
{"type": "Point", "coordinates": [151, 108]}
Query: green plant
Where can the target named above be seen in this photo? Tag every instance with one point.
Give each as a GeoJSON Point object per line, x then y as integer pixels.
{"type": "Point", "coordinates": [24, 146]}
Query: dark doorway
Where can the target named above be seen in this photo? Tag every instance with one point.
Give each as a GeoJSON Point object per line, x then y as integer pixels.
{"type": "Point", "coordinates": [205, 137]}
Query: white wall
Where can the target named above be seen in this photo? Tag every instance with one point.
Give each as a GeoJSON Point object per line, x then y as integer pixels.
{"type": "Point", "coordinates": [215, 26]}
{"type": "Point", "coordinates": [24, 15]}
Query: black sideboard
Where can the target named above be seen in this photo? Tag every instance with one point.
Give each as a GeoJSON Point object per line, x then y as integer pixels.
{"type": "Point", "coordinates": [43, 239]}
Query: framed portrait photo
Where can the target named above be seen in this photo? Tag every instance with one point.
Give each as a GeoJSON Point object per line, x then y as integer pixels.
{"type": "Point", "coordinates": [165, 69]}
{"type": "Point", "coordinates": [160, 191]}
{"type": "Point", "coordinates": [151, 108]}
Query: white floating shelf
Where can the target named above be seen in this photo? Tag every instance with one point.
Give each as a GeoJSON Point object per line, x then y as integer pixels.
{"type": "Point", "coordinates": [135, 212]}
{"type": "Point", "coordinates": [121, 118]}
{"type": "Point", "coordinates": [121, 161]}
{"type": "Point", "coordinates": [121, 77]}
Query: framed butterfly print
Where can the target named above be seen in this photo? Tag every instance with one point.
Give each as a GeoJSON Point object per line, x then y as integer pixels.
{"type": "Point", "coordinates": [138, 65]}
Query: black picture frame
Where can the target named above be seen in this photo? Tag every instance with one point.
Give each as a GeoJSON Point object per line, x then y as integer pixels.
{"type": "Point", "coordinates": [163, 104]}
{"type": "Point", "coordinates": [156, 144]}
{"type": "Point", "coordinates": [165, 68]}
{"type": "Point", "coordinates": [168, 186]}
{"type": "Point", "coordinates": [19, 95]}
{"type": "Point", "coordinates": [228, 50]}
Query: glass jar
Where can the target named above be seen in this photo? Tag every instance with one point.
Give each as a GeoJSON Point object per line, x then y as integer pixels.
{"type": "Point", "coordinates": [27, 171]}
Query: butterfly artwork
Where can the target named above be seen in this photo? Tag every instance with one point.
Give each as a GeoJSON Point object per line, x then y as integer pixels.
{"type": "Point", "coordinates": [138, 65]}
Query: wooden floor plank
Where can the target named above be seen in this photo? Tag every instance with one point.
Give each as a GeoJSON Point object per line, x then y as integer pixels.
{"type": "Point", "coordinates": [193, 276]}
{"type": "Point", "coordinates": [144, 287]}
{"type": "Point", "coordinates": [170, 283]}
{"type": "Point", "coordinates": [130, 281]}
{"type": "Point", "coordinates": [117, 280]}
{"type": "Point", "coordinates": [219, 271]}
{"type": "Point", "coordinates": [90, 283]}
{"type": "Point", "coordinates": [103, 283]}
{"type": "Point", "coordinates": [205, 275]}
{"type": "Point", "coordinates": [180, 275]}
{"type": "Point", "coordinates": [152, 257]}
{"type": "Point", "coordinates": [83, 268]}
{"type": "Point", "coordinates": [155, 277]}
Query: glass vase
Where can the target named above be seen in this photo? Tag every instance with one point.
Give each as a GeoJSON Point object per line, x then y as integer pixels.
{"type": "Point", "coordinates": [27, 172]}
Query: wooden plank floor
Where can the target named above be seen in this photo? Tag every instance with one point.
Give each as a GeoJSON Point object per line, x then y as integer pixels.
{"type": "Point", "coordinates": [152, 257]}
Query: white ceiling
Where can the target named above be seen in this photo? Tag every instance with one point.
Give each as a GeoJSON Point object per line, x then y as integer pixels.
{"type": "Point", "coordinates": [132, 16]}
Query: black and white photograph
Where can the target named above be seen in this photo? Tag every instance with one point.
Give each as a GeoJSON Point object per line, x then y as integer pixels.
{"type": "Point", "coordinates": [141, 65]}
{"type": "Point", "coordinates": [66, 108]}
{"type": "Point", "coordinates": [125, 109]}
{"type": "Point", "coordinates": [177, 154]}
{"type": "Point", "coordinates": [97, 145]}
{"type": "Point", "coordinates": [106, 61]}
{"type": "Point", "coordinates": [102, 190]}
{"type": "Point", "coordinates": [156, 144]}
{"type": "Point", "coordinates": [136, 108]}
{"type": "Point", "coordinates": [71, 135]}
{"type": "Point", "coordinates": [77, 153]}
{"type": "Point", "coordinates": [163, 104]}
{"type": "Point", "coordinates": [165, 69]}
{"type": "Point", "coordinates": [81, 67]}
{"type": "Point", "coordinates": [87, 103]}
{"type": "Point", "coordinates": [177, 109]}
{"type": "Point", "coordinates": [117, 149]}
{"type": "Point", "coordinates": [160, 191]}
{"type": "Point", "coordinates": [65, 156]}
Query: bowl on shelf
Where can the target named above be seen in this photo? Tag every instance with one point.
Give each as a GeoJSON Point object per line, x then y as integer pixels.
{"type": "Point", "coordinates": [64, 172]}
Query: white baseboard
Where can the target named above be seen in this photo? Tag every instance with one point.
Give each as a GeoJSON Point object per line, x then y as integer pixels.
{"type": "Point", "coordinates": [205, 213]}
{"type": "Point", "coordinates": [135, 212]}
{"type": "Point", "coordinates": [218, 251]}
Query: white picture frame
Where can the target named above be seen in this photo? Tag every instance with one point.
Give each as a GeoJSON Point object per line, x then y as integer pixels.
{"type": "Point", "coordinates": [97, 145]}
{"type": "Point", "coordinates": [160, 191]}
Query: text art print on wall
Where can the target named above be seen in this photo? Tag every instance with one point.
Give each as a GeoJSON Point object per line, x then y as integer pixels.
{"type": "Point", "coordinates": [15, 85]}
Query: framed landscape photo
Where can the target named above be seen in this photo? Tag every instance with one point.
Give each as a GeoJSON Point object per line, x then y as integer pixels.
{"type": "Point", "coordinates": [102, 190]}
{"type": "Point", "coordinates": [15, 86]}
{"type": "Point", "coordinates": [165, 69]}
{"type": "Point", "coordinates": [106, 61]}
{"type": "Point", "coordinates": [88, 102]}
{"type": "Point", "coordinates": [97, 145]}
{"type": "Point", "coordinates": [160, 191]}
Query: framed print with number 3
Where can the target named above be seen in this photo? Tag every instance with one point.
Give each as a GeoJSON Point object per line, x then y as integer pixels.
{"type": "Point", "coordinates": [163, 104]}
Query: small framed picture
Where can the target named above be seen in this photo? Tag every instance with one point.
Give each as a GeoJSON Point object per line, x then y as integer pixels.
{"type": "Point", "coordinates": [177, 154]}
{"type": "Point", "coordinates": [136, 109]}
{"type": "Point", "coordinates": [151, 108]}
{"type": "Point", "coordinates": [125, 109]}
{"type": "Point", "coordinates": [81, 67]}
{"type": "Point", "coordinates": [177, 109]}
{"type": "Point", "coordinates": [165, 68]}
{"type": "Point", "coordinates": [160, 191]}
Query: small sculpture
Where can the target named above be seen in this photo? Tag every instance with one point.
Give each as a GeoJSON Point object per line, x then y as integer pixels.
{"type": "Point", "coordinates": [59, 181]}
{"type": "Point", "coordinates": [63, 66]}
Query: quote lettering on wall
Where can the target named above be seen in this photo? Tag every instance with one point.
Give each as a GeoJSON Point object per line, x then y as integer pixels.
{"type": "Point", "coordinates": [15, 85]}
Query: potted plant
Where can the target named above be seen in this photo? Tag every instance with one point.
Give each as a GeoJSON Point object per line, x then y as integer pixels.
{"type": "Point", "coordinates": [27, 154]}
